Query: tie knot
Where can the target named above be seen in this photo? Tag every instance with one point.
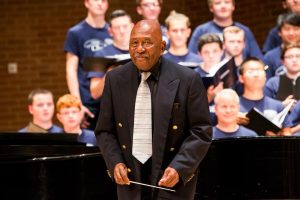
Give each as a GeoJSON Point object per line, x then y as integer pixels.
{"type": "Point", "coordinates": [145, 75]}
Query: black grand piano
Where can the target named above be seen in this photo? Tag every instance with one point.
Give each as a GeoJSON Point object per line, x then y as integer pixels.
{"type": "Point", "coordinates": [56, 166]}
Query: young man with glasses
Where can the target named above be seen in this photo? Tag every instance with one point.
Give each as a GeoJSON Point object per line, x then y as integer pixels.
{"type": "Point", "coordinates": [253, 77]}
{"type": "Point", "coordinates": [150, 9]}
{"type": "Point", "coordinates": [70, 115]}
{"type": "Point", "coordinates": [286, 87]}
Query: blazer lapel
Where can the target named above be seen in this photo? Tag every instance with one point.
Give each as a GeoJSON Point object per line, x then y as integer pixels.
{"type": "Point", "coordinates": [127, 91]}
{"type": "Point", "coordinates": [167, 89]}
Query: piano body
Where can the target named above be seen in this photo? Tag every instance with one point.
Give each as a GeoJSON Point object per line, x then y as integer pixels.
{"type": "Point", "coordinates": [55, 166]}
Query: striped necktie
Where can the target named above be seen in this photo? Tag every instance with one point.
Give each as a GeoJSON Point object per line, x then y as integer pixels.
{"type": "Point", "coordinates": [142, 130]}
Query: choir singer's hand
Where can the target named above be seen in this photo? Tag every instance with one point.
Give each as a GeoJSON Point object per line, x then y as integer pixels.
{"type": "Point", "coordinates": [170, 178]}
{"type": "Point", "coordinates": [120, 174]}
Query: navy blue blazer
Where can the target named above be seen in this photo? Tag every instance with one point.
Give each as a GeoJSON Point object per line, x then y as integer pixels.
{"type": "Point", "coordinates": [181, 127]}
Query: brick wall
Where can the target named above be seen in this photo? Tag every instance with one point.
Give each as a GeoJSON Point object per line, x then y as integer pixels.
{"type": "Point", "coordinates": [32, 34]}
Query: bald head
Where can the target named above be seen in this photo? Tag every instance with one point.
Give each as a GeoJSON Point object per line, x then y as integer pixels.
{"type": "Point", "coordinates": [148, 25]}
{"type": "Point", "coordinates": [146, 44]}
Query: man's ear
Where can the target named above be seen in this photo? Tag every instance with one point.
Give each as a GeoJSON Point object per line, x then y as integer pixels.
{"type": "Point", "coordinates": [284, 6]}
{"type": "Point", "coordinates": [189, 31]}
{"type": "Point", "coordinates": [241, 79]}
{"type": "Point", "coordinates": [163, 46]}
{"type": "Point", "coordinates": [30, 109]}
{"type": "Point", "coordinates": [139, 10]}
{"type": "Point", "coordinates": [279, 33]}
{"type": "Point", "coordinates": [110, 32]}
{"type": "Point", "coordinates": [58, 116]}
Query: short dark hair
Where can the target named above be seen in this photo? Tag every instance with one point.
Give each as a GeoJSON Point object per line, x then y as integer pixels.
{"type": "Point", "coordinates": [241, 68]}
{"type": "Point", "coordinates": [117, 13]}
{"type": "Point", "coordinates": [36, 92]}
{"type": "Point", "coordinates": [209, 38]}
{"type": "Point", "coordinates": [288, 18]}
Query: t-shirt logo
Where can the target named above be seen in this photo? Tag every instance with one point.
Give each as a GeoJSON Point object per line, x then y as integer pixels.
{"type": "Point", "coordinates": [96, 44]}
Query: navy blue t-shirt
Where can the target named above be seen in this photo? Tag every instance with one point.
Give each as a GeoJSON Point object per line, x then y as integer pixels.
{"type": "Point", "coordinates": [88, 137]}
{"type": "Point", "coordinates": [273, 40]}
{"type": "Point", "coordinates": [294, 118]}
{"type": "Point", "coordinates": [83, 41]}
{"type": "Point", "coordinates": [273, 60]}
{"type": "Point", "coordinates": [240, 132]}
{"type": "Point", "coordinates": [190, 59]}
{"type": "Point", "coordinates": [252, 49]}
{"type": "Point", "coordinates": [110, 50]}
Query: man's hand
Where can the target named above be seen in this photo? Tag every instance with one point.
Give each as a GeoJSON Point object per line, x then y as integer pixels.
{"type": "Point", "coordinates": [242, 119]}
{"type": "Point", "coordinates": [120, 174]}
{"type": "Point", "coordinates": [170, 178]}
{"type": "Point", "coordinates": [288, 100]}
{"type": "Point", "coordinates": [213, 91]}
{"type": "Point", "coordinates": [85, 112]}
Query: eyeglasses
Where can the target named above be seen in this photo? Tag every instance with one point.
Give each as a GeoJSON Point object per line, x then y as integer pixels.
{"type": "Point", "coordinates": [73, 112]}
{"type": "Point", "coordinates": [251, 72]}
{"type": "Point", "coordinates": [150, 5]}
{"type": "Point", "coordinates": [290, 57]}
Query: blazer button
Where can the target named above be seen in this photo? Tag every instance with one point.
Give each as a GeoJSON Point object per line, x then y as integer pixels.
{"type": "Point", "coordinates": [175, 127]}
{"type": "Point", "coordinates": [120, 124]}
{"type": "Point", "coordinates": [128, 170]}
{"type": "Point", "coordinates": [124, 146]}
{"type": "Point", "coordinates": [172, 149]}
{"type": "Point", "coordinates": [108, 173]}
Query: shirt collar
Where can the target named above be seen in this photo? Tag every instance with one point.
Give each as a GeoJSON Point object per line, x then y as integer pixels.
{"type": "Point", "coordinates": [154, 70]}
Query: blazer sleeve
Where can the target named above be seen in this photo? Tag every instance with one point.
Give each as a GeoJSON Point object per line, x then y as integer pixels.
{"type": "Point", "coordinates": [105, 130]}
{"type": "Point", "coordinates": [198, 140]}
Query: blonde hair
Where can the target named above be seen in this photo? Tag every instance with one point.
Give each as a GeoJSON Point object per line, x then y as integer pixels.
{"type": "Point", "coordinates": [227, 92]}
{"type": "Point", "coordinates": [175, 16]}
{"type": "Point", "coordinates": [67, 101]}
{"type": "Point", "coordinates": [233, 29]}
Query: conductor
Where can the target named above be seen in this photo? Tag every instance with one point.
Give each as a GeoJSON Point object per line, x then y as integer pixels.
{"type": "Point", "coordinates": [154, 124]}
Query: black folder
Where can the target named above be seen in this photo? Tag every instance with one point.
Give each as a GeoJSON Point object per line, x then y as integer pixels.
{"type": "Point", "coordinates": [226, 71]}
{"type": "Point", "coordinates": [259, 123]}
{"type": "Point", "coordinates": [101, 64]}
{"type": "Point", "coordinates": [288, 87]}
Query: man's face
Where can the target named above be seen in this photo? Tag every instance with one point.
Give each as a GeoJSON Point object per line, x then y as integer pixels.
{"type": "Point", "coordinates": [222, 9]}
{"type": "Point", "coordinates": [149, 9]}
{"type": "Point", "coordinates": [290, 33]}
{"type": "Point", "coordinates": [227, 110]}
{"type": "Point", "coordinates": [178, 33]}
{"type": "Point", "coordinates": [291, 60]}
{"type": "Point", "coordinates": [253, 76]}
{"type": "Point", "coordinates": [211, 54]}
{"type": "Point", "coordinates": [96, 7]}
{"type": "Point", "coordinates": [146, 45]}
{"type": "Point", "coordinates": [120, 30]}
{"type": "Point", "coordinates": [292, 5]}
{"type": "Point", "coordinates": [70, 117]}
{"type": "Point", "coordinates": [42, 108]}
{"type": "Point", "coordinates": [234, 43]}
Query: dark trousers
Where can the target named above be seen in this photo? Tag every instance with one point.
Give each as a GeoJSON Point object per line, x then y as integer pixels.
{"type": "Point", "coordinates": [147, 193]}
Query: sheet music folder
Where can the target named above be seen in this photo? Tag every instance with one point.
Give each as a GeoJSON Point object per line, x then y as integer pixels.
{"type": "Point", "coordinates": [101, 64]}
{"type": "Point", "coordinates": [259, 123]}
{"type": "Point", "coordinates": [224, 71]}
